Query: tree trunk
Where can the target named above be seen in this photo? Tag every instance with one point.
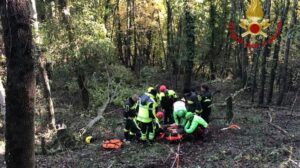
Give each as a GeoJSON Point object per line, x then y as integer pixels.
{"type": "Point", "coordinates": [169, 34]}
{"type": "Point", "coordinates": [276, 54]}
{"type": "Point", "coordinates": [20, 92]}
{"type": "Point", "coordinates": [177, 53]}
{"type": "Point", "coordinates": [128, 33]}
{"type": "Point", "coordinates": [137, 58]}
{"type": "Point", "coordinates": [266, 53]}
{"type": "Point", "coordinates": [284, 81]}
{"type": "Point", "coordinates": [81, 80]}
{"type": "Point", "coordinates": [66, 19]}
{"type": "Point", "coordinates": [35, 24]}
{"type": "Point", "coordinates": [190, 47]}
{"type": "Point", "coordinates": [119, 42]}
{"type": "Point", "coordinates": [254, 82]}
{"type": "Point", "coordinates": [211, 55]}
{"type": "Point", "coordinates": [65, 13]}
{"type": "Point", "coordinates": [243, 56]}
{"type": "Point", "coordinates": [42, 66]}
{"type": "Point", "coordinates": [106, 14]}
{"type": "Point", "coordinates": [47, 93]}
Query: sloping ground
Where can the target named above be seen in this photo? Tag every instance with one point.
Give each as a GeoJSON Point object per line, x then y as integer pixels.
{"type": "Point", "coordinates": [257, 144]}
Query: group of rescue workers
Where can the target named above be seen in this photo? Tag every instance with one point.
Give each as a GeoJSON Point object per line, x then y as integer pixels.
{"type": "Point", "coordinates": [148, 115]}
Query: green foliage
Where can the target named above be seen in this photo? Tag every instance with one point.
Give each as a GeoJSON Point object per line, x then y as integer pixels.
{"type": "Point", "coordinates": [147, 74]}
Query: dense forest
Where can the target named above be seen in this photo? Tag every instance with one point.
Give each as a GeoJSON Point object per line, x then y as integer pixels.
{"type": "Point", "coordinates": [67, 66]}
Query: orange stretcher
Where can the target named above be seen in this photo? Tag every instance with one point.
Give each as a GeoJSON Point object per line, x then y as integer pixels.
{"type": "Point", "coordinates": [112, 144]}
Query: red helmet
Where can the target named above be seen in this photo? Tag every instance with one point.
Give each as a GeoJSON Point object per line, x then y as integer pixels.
{"type": "Point", "coordinates": [160, 115]}
{"type": "Point", "coordinates": [162, 88]}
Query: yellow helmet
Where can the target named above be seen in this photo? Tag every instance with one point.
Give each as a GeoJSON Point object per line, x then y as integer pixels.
{"type": "Point", "coordinates": [88, 139]}
{"type": "Point", "coordinates": [150, 89]}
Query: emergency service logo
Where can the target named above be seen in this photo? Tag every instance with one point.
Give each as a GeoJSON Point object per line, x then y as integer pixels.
{"type": "Point", "coordinates": [254, 25]}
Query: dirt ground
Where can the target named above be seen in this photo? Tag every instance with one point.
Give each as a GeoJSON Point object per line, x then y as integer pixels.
{"type": "Point", "coordinates": [257, 144]}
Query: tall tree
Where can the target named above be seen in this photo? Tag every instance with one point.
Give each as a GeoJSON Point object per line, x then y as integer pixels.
{"type": "Point", "coordinates": [212, 23]}
{"type": "Point", "coordinates": [20, 92]}
{"type": "Point", "coordinates": [81, 76]}
{"type": "Point", "coordinates": [284, 82]}
{"type": "Point", "coordinates": [41, 64]}
{"type": "Point", "coordinates": [190, 45]}
{"type": "Point", "coordinates": [128, 33]}
{"type": "Point", "coordinates": [171, 61]}
{"type": "Point", "coordinates": [256, 56]}
{"type": "Point", "coordinates": [266, 53]}
{"type": "Point", "coordinates": [276, 53]}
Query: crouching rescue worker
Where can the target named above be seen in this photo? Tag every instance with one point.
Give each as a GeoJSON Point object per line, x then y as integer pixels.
{"type": "Point", "coordinates": [130, 111]}
{"type": "Point", "coordinates": [195, 126]}
{"type": "Point", "coordinates": [179, 113]}
{"type": "Point", "coordinates": [167, 99]}
{"type": "Point", "coordinates": [206, 101]}
{"type": "Point", "coordinates": [158, 127]}
{"type": "Point", "coordinates": [146, 115]}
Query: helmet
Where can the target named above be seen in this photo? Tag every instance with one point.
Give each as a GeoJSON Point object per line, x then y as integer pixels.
{"type": "Point", "coordinates": [150, 89]}
{"type": "Point", "coordinates": [162, 88]}
{"type": "Point", "coordinates": [160, 115]}
{"type": "Point", "coordinates": [189, 115]}
{"type": "Point", "coordinates": [88, 139]}
{"type": "Point", "coordinates": [172, 93]}
{"type": "Point", "coordinates": [181, 113]}
{"type": "Point", "coordinates": [179, 105]}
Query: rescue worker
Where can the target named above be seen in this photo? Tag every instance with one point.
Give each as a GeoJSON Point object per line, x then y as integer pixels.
{"type": "Point", "coordinates": [193, 104]}
{"type": "Point", "coordinates": [158, 125]}
{"type": "Point", "coordinates": [195, 125]}
{"type": "Point", "coordinates": [167, 99]}
{"type": "Point", "coordinates": [206, 101]}
{"type": "Point", "coordinates": [130, 111]}
{"type": "Point", "coordinates": [179, 113]}
{"type": "Point", "coordinates": [146, 114]}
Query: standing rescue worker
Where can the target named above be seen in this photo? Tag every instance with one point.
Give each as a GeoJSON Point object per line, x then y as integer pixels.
{"type": "Point", "coordinates": [195, 125]}
{"type": "Point", "coordinates": [167, 99]}
{"type": "Point", "coordinates": [206, 101]}
{"type": "Point", "coordinates": [130, 111]}
{"type": "Point", "coordinates": [193, 104]}
{"type": "Point", "coordinates": [146, 114]}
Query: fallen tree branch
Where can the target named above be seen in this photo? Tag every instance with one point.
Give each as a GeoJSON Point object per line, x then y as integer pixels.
{"type": "Point", "coordinates": [290, 151]}
{"type": "Point", "coordinates": [276, 126]}
{"type": "Point", "coordinates": [112, 92]}
{"type": "Point", "coordinates": [99, 114]}
{"type": "Point", "coordinates": [270, 116]}
{"type": "Point", "coordinates": [279, 128]}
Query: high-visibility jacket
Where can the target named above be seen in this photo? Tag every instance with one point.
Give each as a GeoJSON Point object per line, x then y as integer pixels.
{"type": "Point", "coordinates": [179, 113]}
{"type": "Point", "coordinates": [193, 124]}
{"type": "Point", "coordinates": [146, 109]}
{"type": "Point", "coordinates": [160, 96]}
